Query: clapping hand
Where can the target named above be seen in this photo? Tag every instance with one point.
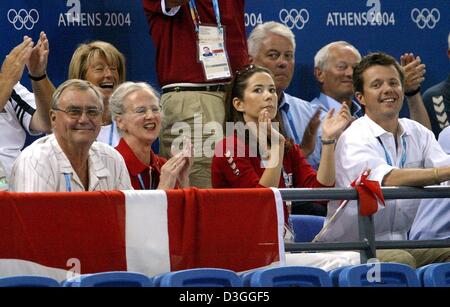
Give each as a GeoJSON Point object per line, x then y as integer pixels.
{"type": "Point", "coordinates": [309, 137]}
{"type": "Point", "coordinates": [37, 63]}
{"type": "Point", "coordinates": [12, 67]}
{"type": "Point", "coordinates": [414, 71]}
{"type": "Point", "coordinates": [335, 124]}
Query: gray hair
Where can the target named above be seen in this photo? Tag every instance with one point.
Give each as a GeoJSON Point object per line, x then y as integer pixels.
{"type": "Point", "coordinates": [322, 56]}
{"type": "Point", "coordinates": [259, 33]}
{"type": "Point", "coordinates": [77, 84]}
{"type": "Point", "coordinates": [117, 98]}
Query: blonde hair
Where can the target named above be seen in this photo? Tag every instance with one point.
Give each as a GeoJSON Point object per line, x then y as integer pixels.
{"type": "Point", "coordinates": [84, 54]}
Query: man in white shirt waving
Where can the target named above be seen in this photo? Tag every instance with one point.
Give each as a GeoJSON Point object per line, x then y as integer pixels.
{"type": "Point", "coordinates": [399, 152]}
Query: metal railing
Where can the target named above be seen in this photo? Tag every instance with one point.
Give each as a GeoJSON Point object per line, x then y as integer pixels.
{"type": "Point", "coordinates": [367, 245]}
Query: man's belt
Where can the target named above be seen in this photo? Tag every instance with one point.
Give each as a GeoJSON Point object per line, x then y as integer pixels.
{"type": "Point", "coordinates": [201, 88]}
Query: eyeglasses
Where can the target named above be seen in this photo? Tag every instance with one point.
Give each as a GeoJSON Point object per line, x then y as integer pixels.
{"type": "Point", "coordinates": [75, 113]}
{"type": "Point", "coordinates": [145, 110]}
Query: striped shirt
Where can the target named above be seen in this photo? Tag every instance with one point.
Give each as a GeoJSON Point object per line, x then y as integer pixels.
{"type": "Point", "coordinates": [15, 119]}
{"type": "Point", "coordinates": [44, 167]}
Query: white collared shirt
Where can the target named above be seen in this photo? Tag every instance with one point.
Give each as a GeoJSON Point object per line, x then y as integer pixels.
{"type": "Point", "coordinates": [360, 148]}
{"type": "Point", "coordinates": [42, 166]}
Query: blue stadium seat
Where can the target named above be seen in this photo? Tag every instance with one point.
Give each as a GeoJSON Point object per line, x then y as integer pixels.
{"type": "Point", "coordinates": [420, 271]}
{"type": "Point", "coordinates": [389, 274]}
{"type": "Point", "coordinates": [28, 281]}
{"type": "Point", "coordinates": [246, 277]}
{"type": "Point", "coordinates": [334, 275]}
{"type": "Point", "coordinates": [110, 279]}
{"type": "Point", "coordinates": [290, 276]}
{"type": "Point", "coordinates": [435, 275]}
{"type": "Point", "coordinates": [306, 227]}
{"type": "Point", "coordinates": [204, 277]}
{"type": "Point", "coordinates": [156, 280]}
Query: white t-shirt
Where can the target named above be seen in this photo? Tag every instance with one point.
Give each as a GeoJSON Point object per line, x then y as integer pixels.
{"type": "Point", "coordinates": [365, 145]}
{"type": "Point", "coordinates": [43, 167]}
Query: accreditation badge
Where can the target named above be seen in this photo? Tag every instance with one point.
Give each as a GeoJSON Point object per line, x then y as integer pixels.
{"type": "Point", "coordinates": [212, 52]}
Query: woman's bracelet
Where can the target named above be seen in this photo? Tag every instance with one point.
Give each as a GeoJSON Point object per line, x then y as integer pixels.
{"type": "Point", "coordinates": [328, 142]}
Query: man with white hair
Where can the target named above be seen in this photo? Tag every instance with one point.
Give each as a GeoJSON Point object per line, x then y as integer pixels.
{"type": "Point", "coordinates": [272, 45]}
{"type": "Point", "coordinates": [395, 152]}
{"type": "Point", "coordinates": [437, 102]}
{"type": "Point", "coordinates": [333, 69]}
{"type": "Point", "coordinates": [70, 159]}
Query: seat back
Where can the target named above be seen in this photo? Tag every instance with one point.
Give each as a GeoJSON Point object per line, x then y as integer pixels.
{"type": "Point", "coordinates": [28, 281]}
{"type": "Point", "coordinates": [334, 275]}
{"type": "Point", "coordinates": [306, 227]}
{"type": "Point", "coordinates": [379, 275]}
{"type": "Point", "coordinates": [204, 277]}
{"type": "Point", "coordinates": [437, 275]}
{"type": "Point", "coordinates": [290, 276]}
{"type": "Point", "coordinates": [246, 278]}
{"type": "Point", "coordinates": [110, 279]}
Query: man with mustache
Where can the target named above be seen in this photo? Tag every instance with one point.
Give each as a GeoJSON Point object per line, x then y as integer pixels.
{"type": "Point", "coordinates": [70, 159]}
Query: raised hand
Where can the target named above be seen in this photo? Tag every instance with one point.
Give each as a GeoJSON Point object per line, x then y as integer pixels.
{"type": "Point", "coordinates": [414, 71]}
{"type": "Point", "coordinates": [309, 137]}
{"type": "Point", "coordinates": [170, 171]}
{"type": "Point", "coordinates": [12, 67]}
{"type": "Point", "coordinates": [335, 124]}
{"type": "Point", "coordinates": [37, 63]}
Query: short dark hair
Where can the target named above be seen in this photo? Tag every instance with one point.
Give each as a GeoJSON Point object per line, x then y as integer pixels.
{"type": "Point", "coordinates": [372, 59]}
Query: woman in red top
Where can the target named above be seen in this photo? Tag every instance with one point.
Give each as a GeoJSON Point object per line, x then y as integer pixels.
{"type": "Point", "coordinates": [263, 157]}
{"type": "Point", "coordinates": [135, 109]}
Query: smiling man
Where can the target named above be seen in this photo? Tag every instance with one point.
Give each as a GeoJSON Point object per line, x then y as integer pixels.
{"type": "Point", "coordinates": [398, 152]}
{"type": "Point", "coordinates": [70, 159]}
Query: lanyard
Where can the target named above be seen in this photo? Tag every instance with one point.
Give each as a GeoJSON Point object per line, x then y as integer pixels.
{"type": "Point", "coordinates": [67, 177]}
{"type": "Point", "coordinates": [141, 181]}
{"type": "Point", "coordinates": [111, 133]}
{"type": "Point", "coordinates": [292, 125]}
{"type": "Point", "coordinates": [388, 158]}
{"type": "Point", "coordinates": [196, 17]}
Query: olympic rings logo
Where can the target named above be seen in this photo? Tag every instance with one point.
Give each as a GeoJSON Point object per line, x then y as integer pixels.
{"type": "Point", "coordinates": [294, 18]}
{"type": "Point", "coordinates": [23, 18]}
{"type": "Point", "coordinates": [425, 17]}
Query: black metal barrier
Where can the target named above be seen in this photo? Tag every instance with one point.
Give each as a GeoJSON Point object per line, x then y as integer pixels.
{"type": "Point", "coordinates": [367, 245]}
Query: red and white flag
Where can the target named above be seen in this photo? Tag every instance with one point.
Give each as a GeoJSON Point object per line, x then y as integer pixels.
{"type": "Point", "coordinates": [151, 232]}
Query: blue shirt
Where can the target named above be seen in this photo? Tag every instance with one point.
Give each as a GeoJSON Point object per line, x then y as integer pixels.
{"type": "Point", "coordinates": [326, 103]}
{"type": "Point", "coordinates": [296, 114]}
{"type": "Point", "coordinates": [432, 220]}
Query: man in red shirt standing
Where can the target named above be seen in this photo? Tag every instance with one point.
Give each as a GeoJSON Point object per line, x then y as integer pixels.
{"type": "Point", "coordinates": [193, 85]}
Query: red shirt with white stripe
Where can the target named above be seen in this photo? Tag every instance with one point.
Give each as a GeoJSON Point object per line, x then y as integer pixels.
{"type": "Point", "coordinates": [136, 167]}
{"type": "Point", "coordinates": [232, 171]}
